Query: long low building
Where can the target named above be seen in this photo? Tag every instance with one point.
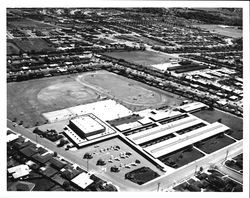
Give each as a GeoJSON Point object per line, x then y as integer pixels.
{"type": "Point", "coordinates": [162, 130]}
{"type": "Point", "coordinates": [195, 106]}
{"type": "Point", "coordinates": [173, 144]}
{"type": "Point", "coordinates": [159, 115]}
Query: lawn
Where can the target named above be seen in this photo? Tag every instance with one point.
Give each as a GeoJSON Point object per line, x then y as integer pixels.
{"type": "Point", "coordinates": [141, 57]}
{"type": "Point", "coordinates": [181, 157]}
{"type": "Point", "coordinates": [141, 175]}
{"type": "Point", "coordinates": [235, 123]}
{"type": "Point", "coordinates": [214, 143]}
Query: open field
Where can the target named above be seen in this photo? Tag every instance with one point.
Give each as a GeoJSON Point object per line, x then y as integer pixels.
{"type": "Point", "coordinates": [139, 39]}
{"type": "Point", "coordinates": [141, 57]}
{"type": "Point", "coordinates": [221, 30]}
{"type": "Point", "coordinates": [12, 48]}
{"type": "Point", "coordinates": [105, 151]}
{"type": "Point", "coordinates": [25, 23]}
{"type": "Point", "coordinates": [130, 93]}
{"type": "Point", "coordinates": [33, 44]}
{"type": "Point", "coordinates": [27, 100]}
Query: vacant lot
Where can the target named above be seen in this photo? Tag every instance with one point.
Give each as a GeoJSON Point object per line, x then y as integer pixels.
{"type": "Point", "coordinates": [33, 44]}
{"type": "Point", "coordinates": [141, 57]}
{"type": "Point", "coordinates": [132, 94]}
{"type": "Point", "coordinates": [27, 100]}
{"type": "Point", "coordinates": [225, 31]}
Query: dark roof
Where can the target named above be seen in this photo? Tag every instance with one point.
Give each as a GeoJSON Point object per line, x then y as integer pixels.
{"type": "Point", "coordinates": [28, 151]}
{"type": "Point", "coordinates": [49, 171]}
{"type": "Point", "coordinates": [42, 150]}
{"type": "Point", "coordinates": [56, 163]}
{"type": "Point", "coordinates": [58, 179]}
{"type": "Point", "coordinates": [57, 188]}
{"type": "Point", "coordinates": [42, 158]}
{"type": "Point", "coordinates": [70, 173]}
{"type": "Point", "coordinates": [19, 143]}
{"type": "Point", "coordinates": [21, 186]}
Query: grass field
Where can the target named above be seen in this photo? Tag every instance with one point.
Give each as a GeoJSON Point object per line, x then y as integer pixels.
{"type": "Point", "coordinates": [181, 157]}
{"type": "Point", "coordinates": [214, 143]}
{"type": "Point", "coordinates": [12, 48]}
{"type": "Point", "coordinates": [36, 44]}
{"type": "Point", "coordinates": [25, 23]}
{"type": "Point", "coordinates": [235, 123]}
{"type": "Point", "coordinates": [27, 100]}
{"type": "Point", "coordinates": [141, 57]}
{"type": "Point", "coordinates": [132, 94]}
{"type": "Point", "coordinates": [225, 31]}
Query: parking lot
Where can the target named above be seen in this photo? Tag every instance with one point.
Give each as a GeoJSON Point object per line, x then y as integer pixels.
{"type": "Point", "coordinates": [114, 153]}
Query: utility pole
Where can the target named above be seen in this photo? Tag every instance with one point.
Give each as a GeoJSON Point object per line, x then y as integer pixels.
{"type": "Point", "coordinates": [158, 186]}
{"type": "Point", "coordinates": [36, 139]}
{"type": "Point", "coordinates": [87, 165]}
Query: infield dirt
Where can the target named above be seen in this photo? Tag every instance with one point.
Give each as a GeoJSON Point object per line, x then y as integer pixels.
{"type": "Point", "coordinates": [27, 100]}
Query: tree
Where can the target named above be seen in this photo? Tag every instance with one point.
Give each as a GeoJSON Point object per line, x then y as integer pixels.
{"type": "Point", "coordinates": [38, 131]}
{"type": "Point", "coordinates": [137, 161]}
{"type": "Point", "coordinates": [62, 143]}
{"type": "Point", "coordinates": [66, 184]}
{"type": "Point", "coordinates": [87, 156]}
{"type": "Point", "coordinates": [101, 162]}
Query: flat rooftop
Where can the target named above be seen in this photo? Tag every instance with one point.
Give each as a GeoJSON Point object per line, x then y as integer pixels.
{"type": "Point", "coordinates": [168, 146]}
{"type": "Point", "coordinates": [165, 129]}
{"type": "Point", "coordinates": [192, 106]}
{"type": "Point", "coordinates": [87, 124]}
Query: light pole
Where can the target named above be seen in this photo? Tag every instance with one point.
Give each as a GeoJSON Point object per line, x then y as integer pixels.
{"type": "Point", "coordinates": [36, 139]}
{"type": "Point", "coordinates": [87, 165]}
{"type": "Point", "coordinates": [226, 155]}
{"type": "Point", "coordinates": [158, 186]}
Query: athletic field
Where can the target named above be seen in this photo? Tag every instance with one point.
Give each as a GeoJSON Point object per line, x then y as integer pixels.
{"type": "Point", "coordinates": [28, 100]}
{"type": "Point", "coordinates": [146, 58]}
